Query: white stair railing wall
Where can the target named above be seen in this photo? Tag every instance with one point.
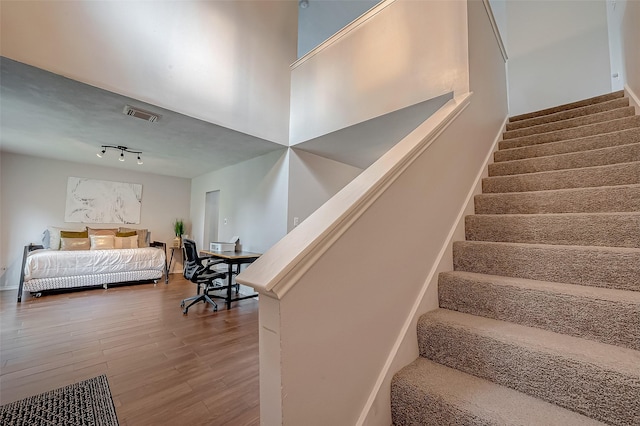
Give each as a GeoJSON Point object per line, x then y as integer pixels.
{"type": "Point", "coordinates": [340, 294]}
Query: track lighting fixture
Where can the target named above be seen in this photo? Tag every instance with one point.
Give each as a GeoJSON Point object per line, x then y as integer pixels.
{"type": "Point", "coordinates": [122, 150]}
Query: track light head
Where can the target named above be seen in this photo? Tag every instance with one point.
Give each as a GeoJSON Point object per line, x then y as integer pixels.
{"type": "Point", "coordinates": [122, 150]}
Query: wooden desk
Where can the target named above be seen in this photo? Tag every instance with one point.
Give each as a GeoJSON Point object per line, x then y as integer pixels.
{"type": "Point", "coordinates": [233, 258]}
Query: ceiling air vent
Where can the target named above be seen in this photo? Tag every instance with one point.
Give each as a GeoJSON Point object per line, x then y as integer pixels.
{"type": "Point", "coordinates": [140, 113]}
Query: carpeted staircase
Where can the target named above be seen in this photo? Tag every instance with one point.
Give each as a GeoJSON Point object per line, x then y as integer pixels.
{"type": "Point", "coordinates": [539, 323]}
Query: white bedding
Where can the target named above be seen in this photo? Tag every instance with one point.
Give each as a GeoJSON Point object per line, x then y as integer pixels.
{"type": "Point", "coordinates": [56, 263]}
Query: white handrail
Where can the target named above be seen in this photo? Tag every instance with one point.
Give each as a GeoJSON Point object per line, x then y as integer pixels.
{"type": "Point", "coordinates": [496, 30]}
{"type": "Point", "coordinates": [277, 271]}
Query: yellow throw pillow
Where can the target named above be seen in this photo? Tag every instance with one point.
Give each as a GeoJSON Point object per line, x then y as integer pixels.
{"type": "Point", "coordinates": [126, 234]}
{"type": "Point", "coordinates": [74, 234]}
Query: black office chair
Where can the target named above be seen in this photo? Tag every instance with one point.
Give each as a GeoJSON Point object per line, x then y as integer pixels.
{"type": "Point", "coordinates": [200, 271]}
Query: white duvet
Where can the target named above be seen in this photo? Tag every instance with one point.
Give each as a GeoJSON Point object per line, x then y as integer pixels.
{"type": "Point", "coordinates": [57, 263]}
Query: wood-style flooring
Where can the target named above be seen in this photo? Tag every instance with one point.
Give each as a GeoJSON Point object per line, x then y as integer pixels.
{"type": "Point", "coordinates": [163, 368]}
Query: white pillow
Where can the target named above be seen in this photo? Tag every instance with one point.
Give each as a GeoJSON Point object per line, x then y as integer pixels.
{"type": "Point", "coordinates": [102, 242]}
{"type": "Point", "coordinates": [53, 232]}
{"type": "Point", "coordinates": [126, 242]}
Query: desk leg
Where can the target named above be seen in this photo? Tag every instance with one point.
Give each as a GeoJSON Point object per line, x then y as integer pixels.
{"type": "Point", "coordinates": [170, 261]}
{"type": "Point", "coordinates": [230, 280]}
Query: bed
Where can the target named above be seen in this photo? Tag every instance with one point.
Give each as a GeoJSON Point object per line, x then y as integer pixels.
{"type": "Point", "coordinates": [45, 269]}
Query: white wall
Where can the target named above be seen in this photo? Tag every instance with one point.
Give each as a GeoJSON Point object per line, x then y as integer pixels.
{"type": "Point", "coordinates": [312, 181]}
{"type": "Point", "coordinates": [499, 9]}
{"type": "Point", "coordinates": [615, 14]}
{"type": "Point", "coordinates": [323, 18]}
{"type": "Point", "coordinates": [390, 62]}
{"type": "Point", "coordinates": [558, 52]}
{"type": "Point", "coordinates": [226, 62]}
{"type": "Point", "coordinates": [33, 194]}
{"type": "Point", "coordinates": [253, 201]}
{"type": "Point", "coordinates": [630, 39]}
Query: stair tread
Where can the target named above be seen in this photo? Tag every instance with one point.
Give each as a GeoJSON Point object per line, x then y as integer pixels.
{"type": "Point", "coordinates": [554, 171]}
{"type": "Point", "coordinates": [559, 215]}
{"type": "Point", "coordinates": [573, 132]}
{"type": "Point", "coordinates": [570, 105]}
{"type": "Point", "coordinates": [618, 250]}
{"type": "Point", "coordinates": [621, 198]}
{"type": "Point", "coordinates": [601, 293]}
{"type": "Point", "coordinates": [609, 357]}
{"type": "Point", "coordinates": [607, 175]}
{"type": "Point", "coordinates": [479, 398]}
{"type": "Point", "coordinates": [606, 315]}
{"type": "Point", "coordinates": [597, 379]}
{"type": "Point", "coordinates": [571, 122]}
{"type": "Point", "coordinates": [558, 191]}
{"type": "Point", "coordinates": [620, 137]}
{"type": "Point", "coordinates": [598, 266]}
{"type": "Point", "coordinates": [594, 157]}
{"type": "Point", "coordinates": [574, 112]}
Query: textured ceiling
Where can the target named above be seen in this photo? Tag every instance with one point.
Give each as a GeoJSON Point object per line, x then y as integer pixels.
{"type": "Point", "coordinates": [47, 115]}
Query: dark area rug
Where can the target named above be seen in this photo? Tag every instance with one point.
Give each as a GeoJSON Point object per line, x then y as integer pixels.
{"type": "Point", "coordinates": [84, 403]}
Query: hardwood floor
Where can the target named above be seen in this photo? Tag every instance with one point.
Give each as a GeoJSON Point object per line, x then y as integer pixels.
{"type": "Point", "coordinates": [163, 368]}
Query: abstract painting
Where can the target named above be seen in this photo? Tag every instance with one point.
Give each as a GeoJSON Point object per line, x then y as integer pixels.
{"type": "Point", "coordinates": [102, 201]}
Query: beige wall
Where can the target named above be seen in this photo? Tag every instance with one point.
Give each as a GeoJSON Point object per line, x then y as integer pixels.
{"type": "Point", "coordinates": [312, 181]}
{"type": "Point", "coordinates": [253, 200]}
{"type": "Point", "coordinates": [226, 62]}
{"type": "Point", "coordinates": [33, 194]}
{"type": "Point", "coordinates": [406, 52]}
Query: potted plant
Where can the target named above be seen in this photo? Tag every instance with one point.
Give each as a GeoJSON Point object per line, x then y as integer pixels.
{"type": "Point", "coordinates": [178, 228]}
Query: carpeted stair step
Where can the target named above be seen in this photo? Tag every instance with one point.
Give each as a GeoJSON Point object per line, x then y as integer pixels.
{"type": "Point", "coordinates": [430, 394]}
{"type": "Point", "coordinates": [572, 133]}
{"type": "Point", "coordinates": [609, 175]}
{"type": "Point", "coordinates": [602, 199]}
{"type": "Point", "coordinates": [573, 160]}
{"type": "Point", "coordinates": [568, 114]}
{"type": "Point", "coordinates": [601, 314]}
{"type": "Point", "coordinates": [623, 137]}
{"type": "Point", "coordinates": [611, 267]}
{"type": "Point", "coordinates": [595, 379]}
{"type": "Point", "coordinates": [580, 229]}
{"type": "Point", "coordinates": [570, 123]}
{"type": "Point", "coordinates": [568, 106]}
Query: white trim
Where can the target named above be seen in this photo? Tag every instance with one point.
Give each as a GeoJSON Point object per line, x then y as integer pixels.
{"type": "Point", "coordinates": [496, 30]}
{"type": "Point", "coordinates": [277, 271]}
{"type": "Point", "coordinates": [343, 32]}
{"type": "Point", "coordinates": [414, 310]}
{"type": "Point", "coordinates": [633, 98]}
